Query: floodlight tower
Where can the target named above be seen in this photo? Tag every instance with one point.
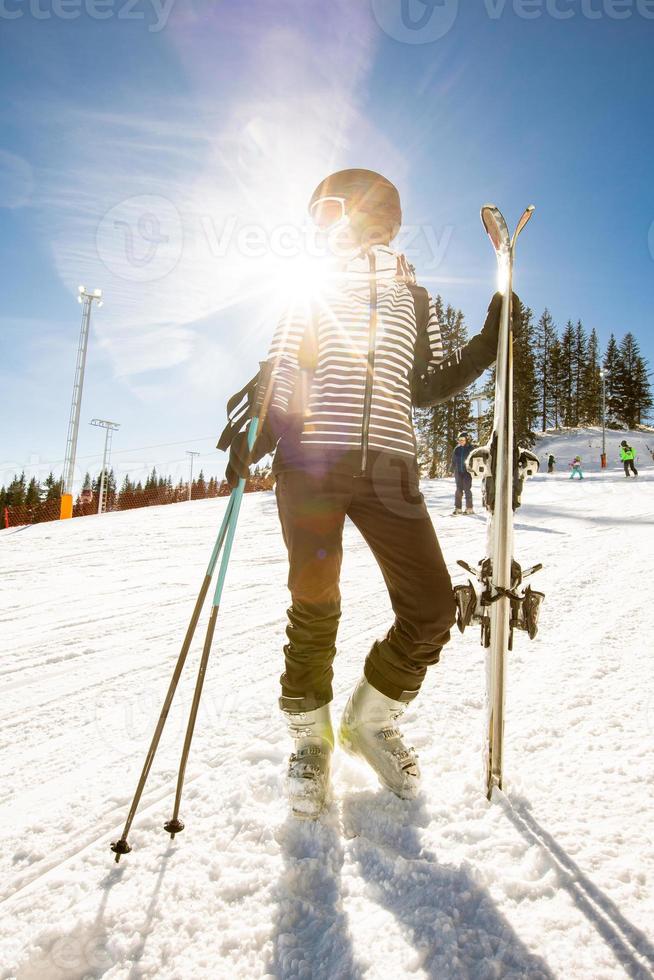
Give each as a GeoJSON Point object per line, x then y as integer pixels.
{"type": "Point", "coordinates": [86, 299]}
{"type": "Point", "coordinates": [190, 454]}
{"type": "Point", "coordinates": [109, 428]}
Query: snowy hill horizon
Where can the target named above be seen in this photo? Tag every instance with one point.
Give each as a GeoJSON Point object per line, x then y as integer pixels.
{"type": "Point", "coordinates": [586, 441]}
{"type": "Point", "coordinates": [554, 879]}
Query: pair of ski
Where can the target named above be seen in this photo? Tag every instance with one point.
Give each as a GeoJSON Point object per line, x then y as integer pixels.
{"type": "Point", "coordinates": [495, 598]}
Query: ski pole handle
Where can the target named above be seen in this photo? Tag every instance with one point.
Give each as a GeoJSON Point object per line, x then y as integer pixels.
{"type": "Point", "coordinates": [263, 390]}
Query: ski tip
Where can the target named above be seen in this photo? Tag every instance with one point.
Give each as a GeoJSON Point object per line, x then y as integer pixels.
{"type": "Point", "coordinates": [495, 226]}
{"type": "Point", "coordinates": [526, 215]}
{"type": "Point", "coordinates": [489, 213]}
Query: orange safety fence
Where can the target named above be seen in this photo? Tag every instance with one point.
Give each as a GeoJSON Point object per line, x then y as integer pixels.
{"type": "Point", "coordinates": [18, 515]}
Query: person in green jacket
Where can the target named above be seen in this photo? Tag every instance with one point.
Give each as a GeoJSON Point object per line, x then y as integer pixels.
{"type": "Point", "coordinates": [628, 455]}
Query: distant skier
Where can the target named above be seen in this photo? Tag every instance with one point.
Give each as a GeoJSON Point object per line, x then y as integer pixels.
{"type": "Point", "coordinates": [575, 468]}
{"type": "Point", "coordinates": [628, 456]}
{"type": "Point", "coordinates": [347, 369]}
{"type": "Point", "coordinates": [550, 463]}
{"type": "Point", "coordinates": [461, 475]}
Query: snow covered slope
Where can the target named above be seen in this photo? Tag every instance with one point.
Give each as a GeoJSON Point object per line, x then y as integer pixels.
{"type": "Point", "coordinates": [555, 881]}
{"type": "Point", "coordinates": [587, 443]}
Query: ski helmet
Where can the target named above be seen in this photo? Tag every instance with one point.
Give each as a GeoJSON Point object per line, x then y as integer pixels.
{"type": "Point", "coordinates": [370, 201]}
{"type": "Point", "coordinates": [463, 435]}
{"type": "Point", "coordinates": [624, 442]}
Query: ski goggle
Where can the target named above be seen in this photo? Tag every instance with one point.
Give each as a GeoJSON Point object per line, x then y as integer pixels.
{"type": "Point", "coordinates": [328, 211]}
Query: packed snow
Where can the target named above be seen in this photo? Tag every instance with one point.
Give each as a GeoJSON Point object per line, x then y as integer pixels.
{"type": "Point", "coordinates": [553, 879]}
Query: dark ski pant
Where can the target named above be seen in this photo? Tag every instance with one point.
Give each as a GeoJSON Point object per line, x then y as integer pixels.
{"type": "Point", "coordinates": [463, 485]}
{"type": "Point", "coordinates": [392, 518]}
{"type": "Point", "coordinates": [629, 465]}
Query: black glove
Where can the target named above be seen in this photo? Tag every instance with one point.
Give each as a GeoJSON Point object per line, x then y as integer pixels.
{"type": "Point", "coordinates": [490, 331]}
{"type": "Point", "coordinates": [464, 366]}
{"type": "Point", "coordinates": [241, 458]}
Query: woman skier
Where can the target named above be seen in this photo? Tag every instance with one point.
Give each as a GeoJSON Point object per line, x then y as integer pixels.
{"type": "Point", "coordinates": [347, 368]}
{"type": "Point", "coordinates": [628, 456]}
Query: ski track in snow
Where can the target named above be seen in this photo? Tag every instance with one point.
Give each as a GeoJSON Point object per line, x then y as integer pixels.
{"type": "Point", "coordinates": [556, 879]}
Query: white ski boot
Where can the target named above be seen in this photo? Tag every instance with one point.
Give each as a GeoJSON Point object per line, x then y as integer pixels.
{"type": "Point", "coordinates": [368, 730]}
{"type": "Point", "coordinates": [307, 778]}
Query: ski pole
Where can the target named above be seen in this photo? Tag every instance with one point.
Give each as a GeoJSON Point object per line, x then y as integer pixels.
{"type": "Point", "coordinates": [226, 533]}
{"type": "Point", "coordinates": [121, 846]}
{"type": "Point", "coordinates": [175, 825]}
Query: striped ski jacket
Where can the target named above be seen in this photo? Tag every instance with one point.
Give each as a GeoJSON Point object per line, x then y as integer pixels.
{"type": "Point", "coordinates": [356, 412]}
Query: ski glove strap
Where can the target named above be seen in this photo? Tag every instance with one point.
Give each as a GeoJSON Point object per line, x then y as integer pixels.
{"type": "Point", "coordinates": [248, 403]}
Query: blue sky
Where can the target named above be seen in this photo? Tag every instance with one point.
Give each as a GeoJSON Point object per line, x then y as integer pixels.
{"type": "Point", "coordinates": [159, 153]}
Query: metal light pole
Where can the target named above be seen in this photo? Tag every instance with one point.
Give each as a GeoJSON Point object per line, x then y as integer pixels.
{"type": "Point", "coordinates": [86, 299]}
{"type": "Point", "coordinates": [109, 428]}
{"type": "Point", "coordinates": [603, 457]}
{"type": "Point", "coordinates": [190, 479]}
{"type": "Point", "coordinates": [478, 398]}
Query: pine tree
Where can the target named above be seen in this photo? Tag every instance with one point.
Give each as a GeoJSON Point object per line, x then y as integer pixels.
{"type": "Point", "coordinates": [52, 487]}
{"type": "Point", "coordinates": [578, 367]}
{"type": "Point", "coordinates": [33, 493]}
{"type": "Point", "coordinates": [566, 375]}
{"type": "Point", "coordinates": [544, 337]}
{"type": "Point", "coordinates": [631, 389]}
{"type": "Point", "coordinates": [110, 491]}
{"type": "Point", "coordinates": [556, 392]}
{"type": "Point", "coordinates": [642, 391]}
{"type": "Point", "coordinates": [151, 482]}
{"type": "Point", "coordinates": [611, 366]}
{"type": "Point", "coordinates": [16, 491]}
{"type": "Point", "coordinates": [525, 395]}
{"type": "Point", "coordinates": [438, 427]}
{"type": "Point", "coordinates": [590, 402]}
